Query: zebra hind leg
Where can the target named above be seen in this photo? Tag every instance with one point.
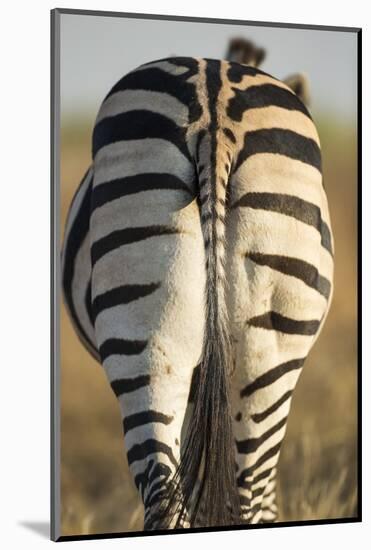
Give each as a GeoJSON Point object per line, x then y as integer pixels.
{"type": "Point", "coordinates": [148, 281]}
{"type": "Point", "coordinates": [152, 402]}
{"type": "Point", "coordinates": [269, 505]}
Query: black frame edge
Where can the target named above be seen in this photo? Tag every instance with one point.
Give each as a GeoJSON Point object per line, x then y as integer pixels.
{"type": "Point", "coordinates": [54, 250]}
{"type": "Point", "coordinates": [130, 534]}
{"type": "Point", "coordinates": [195, 19]}
{"type": "Point", "coordinates": [359, 268]}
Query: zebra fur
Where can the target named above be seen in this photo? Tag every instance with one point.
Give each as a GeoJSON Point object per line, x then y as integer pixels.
{"type": "Point", "coordinates": [210, 433]}
{"type": "Point", "coordinates": [227, 265]}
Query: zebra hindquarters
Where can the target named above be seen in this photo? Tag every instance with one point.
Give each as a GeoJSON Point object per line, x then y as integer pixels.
{"type": "Point", "coordinates": [147, 298]}
{"type": "Point", "coordinates": [280, 282]}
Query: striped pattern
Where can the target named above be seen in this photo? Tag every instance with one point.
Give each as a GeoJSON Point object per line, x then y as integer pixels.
{"type": "Point", "coordinates": [280, 142]}
{"type": "Point", "coordinates": [203, 218]}
{"type": "Point", "coordinates": [289, 205]}
{"type": "Point", "coordinates": [294, 267]}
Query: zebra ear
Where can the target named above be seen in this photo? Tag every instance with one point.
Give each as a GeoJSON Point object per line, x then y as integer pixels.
{"type": "Point", "coordinates": [300, 85]}
{"type": "Point", "coordinates": [245, 52]}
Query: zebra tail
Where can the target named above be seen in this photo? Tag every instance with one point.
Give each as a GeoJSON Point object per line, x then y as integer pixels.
{"type": "Point", "coordinates": [209, 450]}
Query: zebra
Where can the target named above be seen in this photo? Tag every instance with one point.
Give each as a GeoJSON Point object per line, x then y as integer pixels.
{"type": "Point", "coordinates": [197, 268]}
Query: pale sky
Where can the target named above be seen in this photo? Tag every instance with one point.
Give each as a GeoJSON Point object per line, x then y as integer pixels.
{"type": "Point", "coordinates": [97, 51]}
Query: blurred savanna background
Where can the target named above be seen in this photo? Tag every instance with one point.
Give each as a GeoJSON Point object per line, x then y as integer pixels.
{"type": "Point", "coordinates": [318, 463]}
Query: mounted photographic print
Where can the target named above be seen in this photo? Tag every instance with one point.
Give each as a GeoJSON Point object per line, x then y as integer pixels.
{"type": "Point", "coordinates": [205, 340]}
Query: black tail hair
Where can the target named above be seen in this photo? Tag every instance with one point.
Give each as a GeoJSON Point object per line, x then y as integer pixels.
{"type": "Point", "coordinates": [209, 450]}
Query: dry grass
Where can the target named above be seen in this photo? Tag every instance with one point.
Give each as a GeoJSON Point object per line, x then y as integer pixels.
{"type": "Point", "coordinates": [318, 464]}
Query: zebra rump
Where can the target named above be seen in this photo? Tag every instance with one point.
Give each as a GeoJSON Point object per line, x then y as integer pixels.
{"type": "Point", "coordinates": [197, 268]}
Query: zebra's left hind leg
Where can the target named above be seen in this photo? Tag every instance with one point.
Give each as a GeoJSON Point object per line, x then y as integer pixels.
{"type": "Point", "coordinates": [148, 282]}
{"type": "Point", "coordinates": [269, 506]}
{"type": "Point", "coordinates": [152, 440]}
{"type": "Point", "coordinates": [150, 373]}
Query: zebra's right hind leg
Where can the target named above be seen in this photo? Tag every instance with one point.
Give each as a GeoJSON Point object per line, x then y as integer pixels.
{"type": "Point", "coordinates": [276, 312]}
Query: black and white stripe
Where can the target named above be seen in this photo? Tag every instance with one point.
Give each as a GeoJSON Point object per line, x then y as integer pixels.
{"type": "Point", "coordinates": [200, 236]}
